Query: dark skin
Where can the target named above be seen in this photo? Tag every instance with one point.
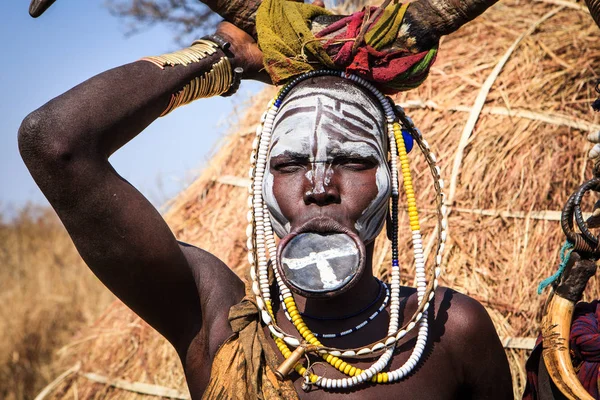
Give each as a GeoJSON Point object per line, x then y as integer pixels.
{"type": "Point", "coordinates": [185, 292]}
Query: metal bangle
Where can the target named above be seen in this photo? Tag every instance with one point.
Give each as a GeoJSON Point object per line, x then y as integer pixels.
{"type": "Point", "coordinates": [217, 81]}
{"type": "Point", "coordinates": [592, 184]}
{"type": "Point", "coordinates": [237, 72]}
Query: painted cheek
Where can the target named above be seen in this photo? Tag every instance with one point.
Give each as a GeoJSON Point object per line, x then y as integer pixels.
{"type": "Point", "coordinates": [362, 191]}
{"type": "Point", "coordinates": [287, 196]}
{"type": "Point", "coordinates": [375, 193]}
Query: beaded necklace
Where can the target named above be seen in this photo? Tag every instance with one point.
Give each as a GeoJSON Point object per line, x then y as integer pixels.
{"type": "Point", "coordinates": [382, 287]}
{"type": "Point", "coordinates": [357, 327]}
{"type": "Point", "coordinates": [262, 256]}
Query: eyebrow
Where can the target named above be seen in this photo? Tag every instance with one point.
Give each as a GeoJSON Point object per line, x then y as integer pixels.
{"type": "Point", "coordinates": [352, 153]}
{"type": "Point", "coordinates": [292, 154]}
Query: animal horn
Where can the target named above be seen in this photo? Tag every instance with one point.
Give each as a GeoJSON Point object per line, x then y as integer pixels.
{"type": "Point", "coordinates": [38, 7]}
{"type": "Point", "coordinates": [241, 13]}
{"type": "Point", "coordinates": [442, 17]}
{"type": "Point", "coordinates": [433, 18]}
{"type": "Point", "coordinates": [426, 20]}
{"type": "Point", "coordinates": [594, 7]}
{"type": "Point", "coordinates": [556, 327]}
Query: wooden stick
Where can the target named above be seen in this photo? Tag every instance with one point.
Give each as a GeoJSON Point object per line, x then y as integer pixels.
{"type": "Point", "coordinates": [480, 100]}
{"type": "Point", "coordinates": [544, 215]}
{"type": "Point", "coordinates": [524, 343]}
{"type": "Point", "coordinates": [52, 385]}
{"type": "Point", "coordinates": [566, 3]}
{"type": "Point", "coordinates": [138, 387]}
{"type": "Point", "coordinates": [233, 181]}
{"type": "Point", "coordinates": [553, 119]}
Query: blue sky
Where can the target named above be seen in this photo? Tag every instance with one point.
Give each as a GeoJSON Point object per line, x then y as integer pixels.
{"type": "Point", "coordinates": [70, 43]}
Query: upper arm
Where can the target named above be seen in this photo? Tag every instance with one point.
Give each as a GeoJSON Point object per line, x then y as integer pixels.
{"type": "Point", "coordinates": [124, 240]}
{"type": "Point", "coordinates": [476, 347]}
{"type": "Point", "coordinates": [118, 233]}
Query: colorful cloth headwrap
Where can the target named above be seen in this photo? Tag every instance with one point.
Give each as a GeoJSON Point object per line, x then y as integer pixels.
{"type": "Point", "coordinates": [290, 48]}
{"type": "Point", "coordinates": [584, 343]}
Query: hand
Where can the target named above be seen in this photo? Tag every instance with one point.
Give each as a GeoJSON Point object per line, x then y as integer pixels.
{"type": "Point", "coordinates": [245, 52]}
{"type": "Point", "coordinates": [245, 49]}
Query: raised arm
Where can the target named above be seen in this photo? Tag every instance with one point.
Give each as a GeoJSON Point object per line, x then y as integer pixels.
{"type": "Point", "coordinates": [66, 144]}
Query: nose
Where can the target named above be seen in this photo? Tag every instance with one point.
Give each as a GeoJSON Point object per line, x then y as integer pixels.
{"type": "Point", "coordinates": [321, 188]}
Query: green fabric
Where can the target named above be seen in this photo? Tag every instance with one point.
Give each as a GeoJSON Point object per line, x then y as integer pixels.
{"type": "Point", "coordinates": [403, 81]}
{"type": "Point", "coordinates": [385, 30]}
{"type": "Point", "coordinates": [284, 36]}
{"type": "Point", "coordinates": [290, 49]}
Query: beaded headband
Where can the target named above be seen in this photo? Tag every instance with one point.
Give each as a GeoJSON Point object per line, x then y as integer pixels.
{"type": "Point", "coordinates": [262, 252]}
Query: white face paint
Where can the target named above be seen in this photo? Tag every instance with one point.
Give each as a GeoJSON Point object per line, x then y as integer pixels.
{"type": "Point", "coordinates": [322, 261]}
{"type": "Point", "coordinates": [320, 125]}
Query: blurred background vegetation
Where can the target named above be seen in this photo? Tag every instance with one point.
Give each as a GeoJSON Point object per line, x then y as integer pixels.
{"type": "Point", "coordinates": [46, 291]}
{"type": "Point", "coordinates": [47, 294]}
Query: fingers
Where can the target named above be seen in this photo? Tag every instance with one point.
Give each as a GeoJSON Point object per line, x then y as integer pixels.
{"type": "Point", "coordinates": [594, 220]}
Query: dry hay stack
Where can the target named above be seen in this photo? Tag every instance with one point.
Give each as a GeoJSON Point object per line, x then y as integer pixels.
{"type": "Point", "coordinates": [524, 157]}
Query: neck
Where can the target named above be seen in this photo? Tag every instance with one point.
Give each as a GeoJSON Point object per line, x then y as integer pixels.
{"type": "Point", "coordinates": [349, 302]}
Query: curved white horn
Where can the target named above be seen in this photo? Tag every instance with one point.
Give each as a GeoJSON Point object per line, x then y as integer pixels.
{"type": "Point", "coordinates": [556, 326]}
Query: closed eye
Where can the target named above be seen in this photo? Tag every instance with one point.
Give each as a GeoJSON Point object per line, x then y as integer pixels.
{"type": "Point", "coordinates": [288, 166]}
{"type": "Point", "coordinates": [356, 163]}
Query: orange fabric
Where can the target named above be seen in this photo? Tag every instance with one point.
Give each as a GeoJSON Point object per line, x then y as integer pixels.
{"type": "Point", "coordinates": [243, 367]}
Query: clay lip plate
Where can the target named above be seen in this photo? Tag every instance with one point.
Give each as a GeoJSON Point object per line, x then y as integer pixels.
{"type": "Point", "coordinates": [320, 264]}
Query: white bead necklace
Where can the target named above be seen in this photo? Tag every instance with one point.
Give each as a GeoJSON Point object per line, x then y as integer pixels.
{"type": "Point", "coordinates": [261, 240]}
{"type": "Point", "coordinates": [358, 326]}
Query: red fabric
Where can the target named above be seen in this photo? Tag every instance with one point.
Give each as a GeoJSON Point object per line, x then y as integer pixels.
{"type": "Point", "coordinates": [584, 342]}
{"type": "Point", "coordinates": [377, 66]}
{"type": "Point", "coordinates": [531, 368]}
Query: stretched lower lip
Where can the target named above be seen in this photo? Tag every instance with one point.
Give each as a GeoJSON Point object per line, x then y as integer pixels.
{"type": "Point", "coordinates": [342, 274]}
{"type": "Point", "coordinates": [322, 225]}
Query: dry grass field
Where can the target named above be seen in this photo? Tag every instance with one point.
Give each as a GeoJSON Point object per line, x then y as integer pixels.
{"type": "Point", "coordinates": [47, 295]}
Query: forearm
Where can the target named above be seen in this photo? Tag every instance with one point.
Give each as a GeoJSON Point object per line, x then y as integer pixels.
{"type": "Point", "coordinates": [124, 240]}
{"type": "Point", "coordinates": [103, 113]}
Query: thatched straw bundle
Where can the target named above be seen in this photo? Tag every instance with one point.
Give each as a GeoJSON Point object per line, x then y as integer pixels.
{"type": "Point", "coordinates": [508, 178]}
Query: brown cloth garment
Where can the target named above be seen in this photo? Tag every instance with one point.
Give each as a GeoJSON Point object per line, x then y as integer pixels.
{"type": "Point", "coordinates": [243, 366]}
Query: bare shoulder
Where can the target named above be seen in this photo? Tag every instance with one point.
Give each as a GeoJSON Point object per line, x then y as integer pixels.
{"type": "Point", "coordinates": [219, 287]}
{"type": "Point", "coordinates": [465, 315]}
{"type": "Point", "coordinates": [468, 335]}
{"type": "Point", "coordinates": [462, 322]}
{"type": "Point", "coordinates": [456, 318]}
{"type": "Point", "coordinates": [213, 277]}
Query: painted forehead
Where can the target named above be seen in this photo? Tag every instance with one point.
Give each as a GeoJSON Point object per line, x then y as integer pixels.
{"type": "Point", "coordinates": [319, 122]}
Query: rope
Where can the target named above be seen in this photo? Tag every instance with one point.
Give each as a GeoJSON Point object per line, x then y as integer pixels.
{"type": "Point", "coordinates": [565, 253]}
